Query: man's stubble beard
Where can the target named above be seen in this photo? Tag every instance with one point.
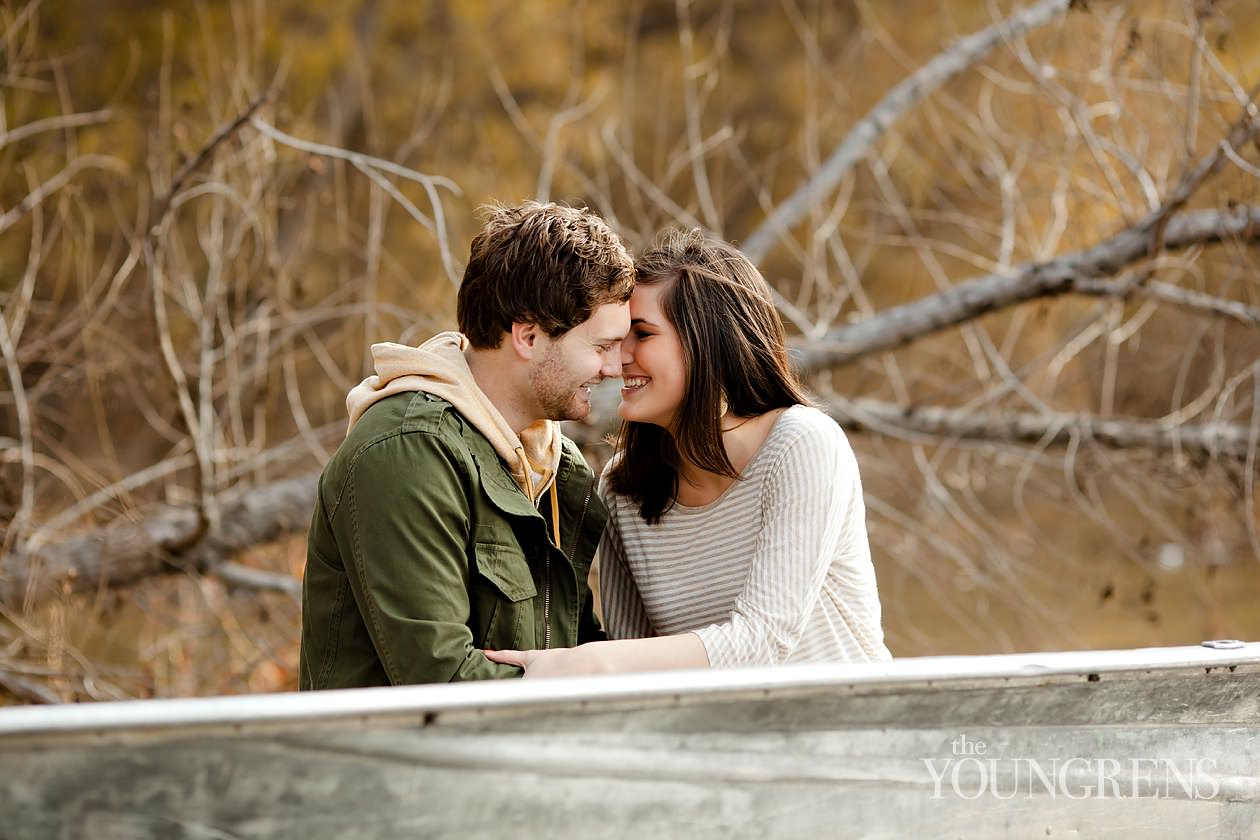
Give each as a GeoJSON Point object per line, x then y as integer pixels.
{"type": "Point", "coordinates": [554, 390]}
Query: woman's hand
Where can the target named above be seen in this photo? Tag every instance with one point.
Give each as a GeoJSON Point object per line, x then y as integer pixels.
{"type": "Point", "coordinates": [561, 662]}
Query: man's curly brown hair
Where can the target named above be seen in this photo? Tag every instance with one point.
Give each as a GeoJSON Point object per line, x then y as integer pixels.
{"type": "Point", "coordinates": [544, 264]}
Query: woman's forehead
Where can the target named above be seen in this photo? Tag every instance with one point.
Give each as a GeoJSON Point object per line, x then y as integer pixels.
{"type": "Point", "coordinates": [646, 297]}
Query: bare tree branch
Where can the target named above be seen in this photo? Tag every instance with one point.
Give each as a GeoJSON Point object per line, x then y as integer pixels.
{"type": "Point", "coordinates": [249, 578]}
{"type": "Point", "coordinates": [1242, 131]}
{"type": "Point", "coordinates": [18, 526]}
{"type": "Point", "coordinates": [27, 690]}
{"type": "Point", "coordinates": [970, 299]}
{"type": "Point", "coordinates": [1201, 440]}
{"type": "Point", "coordinates": [1133, 286]}
{"type": "Point", "coordinates": [430, 183]}
{"type": "Point", "coordinates": [15, 214]}
{"type": "Point", "coordinates": [54, 124]}
{"type": "Point", "coordinates": [125, 552]}
{"type": "Point", "coordinates": [197, 161]}
{"type": "Point", "coordinates": [910, 92]}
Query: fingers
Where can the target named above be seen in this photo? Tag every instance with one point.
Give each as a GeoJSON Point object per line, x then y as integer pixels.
{"type": "Point", "coordinates": [507, 657]}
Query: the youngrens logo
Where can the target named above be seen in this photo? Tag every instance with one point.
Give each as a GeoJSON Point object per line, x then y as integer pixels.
{"type": "Point", "coordinates": [971, 772]}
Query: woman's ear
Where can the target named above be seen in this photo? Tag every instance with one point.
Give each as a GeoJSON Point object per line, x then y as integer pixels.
{"type": "Point", "coordinates": [524, 338]}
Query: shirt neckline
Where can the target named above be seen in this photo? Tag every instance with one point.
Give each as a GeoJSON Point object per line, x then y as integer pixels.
{"type": "Point", "coordinates": [748, 470]}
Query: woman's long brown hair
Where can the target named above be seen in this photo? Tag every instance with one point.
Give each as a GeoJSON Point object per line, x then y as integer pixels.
{"type": "Point", "coordinates": [734, 348]}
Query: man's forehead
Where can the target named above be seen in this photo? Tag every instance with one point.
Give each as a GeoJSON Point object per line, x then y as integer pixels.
{"type": "Point", "coordinates": [605, 336]}
{"type": "Point", "coordinates": [608, 339]}
{"type": "Point", "coordinates": [609, 322]}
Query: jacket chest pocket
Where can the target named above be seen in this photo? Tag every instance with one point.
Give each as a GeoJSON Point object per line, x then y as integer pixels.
{"type": "Point", "coordinates": [503, 595]}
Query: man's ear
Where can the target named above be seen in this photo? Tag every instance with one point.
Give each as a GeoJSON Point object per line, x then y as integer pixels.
{"type": "Point", "coordinates": [524, 338]}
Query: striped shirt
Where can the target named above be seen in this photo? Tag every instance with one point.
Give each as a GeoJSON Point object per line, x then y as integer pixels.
{"type": "Point", "coordinates": [775, 570]}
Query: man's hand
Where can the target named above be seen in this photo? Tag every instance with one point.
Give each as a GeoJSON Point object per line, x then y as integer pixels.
{"type": "Point", "coordinates": [656, 654]}
{"type": "Point", "coordinates": [562, 662]}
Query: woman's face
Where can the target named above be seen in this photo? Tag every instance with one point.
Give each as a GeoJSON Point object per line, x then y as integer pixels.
{"type": "Point", "coordinates": [653, 370]}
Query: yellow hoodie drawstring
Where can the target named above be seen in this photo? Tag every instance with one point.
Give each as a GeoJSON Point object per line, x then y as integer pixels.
{"type": "Point", "coordinates": [555, 512]}
{"type": "Point", "coordinates": [529, 474]}
{"type": "Point", "coordinates": [555, 496]}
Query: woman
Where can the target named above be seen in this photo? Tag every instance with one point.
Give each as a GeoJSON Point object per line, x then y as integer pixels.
{"type": "Point", "coordinates": [736, 531]}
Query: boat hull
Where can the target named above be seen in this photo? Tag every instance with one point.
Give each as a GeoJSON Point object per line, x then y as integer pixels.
{"type": "Point", "coordinates": [1127, 743]}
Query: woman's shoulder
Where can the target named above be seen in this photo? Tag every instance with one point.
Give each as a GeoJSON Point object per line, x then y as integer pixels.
{"type": "Point", "coordinates": [806, 423]}
{"type": "Point", "coordinates": [609, 466]}
{"type": "Point", "coordinates": [606, 493]}
{"type": "Point", "coordinates": [806, 434]}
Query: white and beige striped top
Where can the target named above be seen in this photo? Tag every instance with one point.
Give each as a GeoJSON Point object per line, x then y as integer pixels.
{"type": "Point", "coordinates": [775, 570]}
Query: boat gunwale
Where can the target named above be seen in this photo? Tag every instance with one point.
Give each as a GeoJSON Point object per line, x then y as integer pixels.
{"type": "Point", "coordinates": [424, 704]}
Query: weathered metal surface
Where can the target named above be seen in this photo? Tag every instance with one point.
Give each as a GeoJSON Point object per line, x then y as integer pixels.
{"type": "Point", "coordinates": [1162, 742]}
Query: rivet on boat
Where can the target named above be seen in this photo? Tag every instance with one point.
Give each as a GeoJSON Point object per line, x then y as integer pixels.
{"type": "Point", "coordinates": [1224, 644]}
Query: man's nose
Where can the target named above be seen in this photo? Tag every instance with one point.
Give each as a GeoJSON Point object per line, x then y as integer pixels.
{"type": "Point", "coordinates": [612, 365]}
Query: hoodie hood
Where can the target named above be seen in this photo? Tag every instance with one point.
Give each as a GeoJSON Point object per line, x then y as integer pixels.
{"type": "Point", "coordinates": [438, 367]}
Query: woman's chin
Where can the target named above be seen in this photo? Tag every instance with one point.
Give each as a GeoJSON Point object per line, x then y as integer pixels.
{"type": "Point", "coordinates": [635, 417]}
{"type": "Point", "coordinates": [627, 413]}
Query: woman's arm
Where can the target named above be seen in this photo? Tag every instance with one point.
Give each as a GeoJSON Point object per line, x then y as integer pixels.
{"type": "Point", "coordinates": [659, 654]}
{"type": "Point", "coordinates": [812, 539]}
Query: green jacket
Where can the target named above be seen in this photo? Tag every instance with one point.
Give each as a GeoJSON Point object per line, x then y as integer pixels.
{"type": "Point", "coordinates": [423, 551]}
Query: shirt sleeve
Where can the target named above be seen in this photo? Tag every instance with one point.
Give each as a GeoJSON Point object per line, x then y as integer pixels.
{"type": "Point", "coordinates": [625, 617]}
{"type": "Point", "coordinates": [812, 493]}
{"type": "Point", "coordinates": [404, 525]}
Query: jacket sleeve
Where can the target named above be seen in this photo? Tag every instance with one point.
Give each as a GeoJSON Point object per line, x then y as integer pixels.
{"type": "Point", "coordinates": [403, 524]}
{"type": "Point", "coordinates": [812, 515]}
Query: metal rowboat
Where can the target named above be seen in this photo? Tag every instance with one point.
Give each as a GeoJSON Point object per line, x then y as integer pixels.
{"type": "Point", "coordinates": [1129, 743]}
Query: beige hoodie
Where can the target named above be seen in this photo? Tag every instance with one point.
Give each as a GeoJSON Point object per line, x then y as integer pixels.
{"type": "Point", "coordinates": [438, 367]}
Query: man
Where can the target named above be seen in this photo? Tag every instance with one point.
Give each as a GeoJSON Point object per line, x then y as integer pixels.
{"type": "Point", "coordinates": [455, 517]}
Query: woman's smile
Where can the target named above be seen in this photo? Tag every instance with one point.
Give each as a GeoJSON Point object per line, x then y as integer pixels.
{"type": "Point", "coordinates": [631, 384]}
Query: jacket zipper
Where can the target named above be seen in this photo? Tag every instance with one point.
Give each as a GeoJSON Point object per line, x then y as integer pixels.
{"type": "Point", "coordinates": [547, 602]}
{"type": "Point", "coordinates": [586, 503]}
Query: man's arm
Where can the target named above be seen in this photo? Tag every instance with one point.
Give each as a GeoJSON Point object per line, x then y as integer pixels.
{"type": "Point", "coordinates": [403, 526]}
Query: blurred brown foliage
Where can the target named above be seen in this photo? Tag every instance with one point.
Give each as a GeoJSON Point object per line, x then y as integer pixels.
{"type": "Point", "coordinates": [209, 210]}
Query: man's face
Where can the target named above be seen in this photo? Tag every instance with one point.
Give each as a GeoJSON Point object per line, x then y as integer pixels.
{"type": "Point", "coordinates": [564, 369]}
